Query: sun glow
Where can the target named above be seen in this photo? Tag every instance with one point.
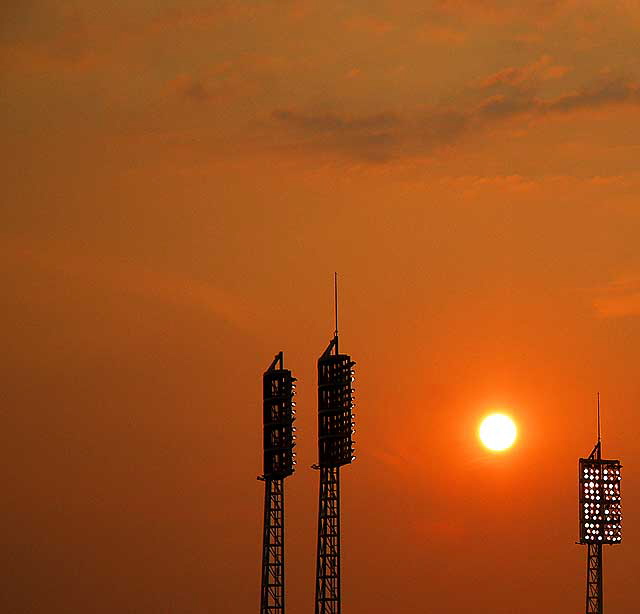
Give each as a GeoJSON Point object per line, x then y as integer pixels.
{"type": "Point", "coordinates": [498, 432]}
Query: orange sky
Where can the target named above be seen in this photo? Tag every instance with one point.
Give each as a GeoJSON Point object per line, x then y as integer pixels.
{"type": "Point", "coordinates": [180, 181]}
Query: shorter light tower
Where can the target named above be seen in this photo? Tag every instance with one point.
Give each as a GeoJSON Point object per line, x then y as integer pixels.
{"type": "Point", "coordinates": [600, 513]}
{"type": "Point", "coordinates": [278, 388]}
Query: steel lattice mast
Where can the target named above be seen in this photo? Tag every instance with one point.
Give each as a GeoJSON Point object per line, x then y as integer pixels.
{"type": "Point", "coordinates": [328, 554]}
{"type": "Point", "coordinates": [279, 461]}
{"type": "Point", "coordinates": [335, 448]}
{"type": "Point", "coordinates": [594, 562]}
{"type": "Point", "coordinates": [600, 514]}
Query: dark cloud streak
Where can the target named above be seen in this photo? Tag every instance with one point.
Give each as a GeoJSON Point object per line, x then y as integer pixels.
{"type": "Point", "coordinates": [386, 134]}
{"type": "Point", "coordinates": [370, 136]}
{"type": "Point", "coordinates": [331, 122]}
{"type": "Point", "coordinates": [614, 91]}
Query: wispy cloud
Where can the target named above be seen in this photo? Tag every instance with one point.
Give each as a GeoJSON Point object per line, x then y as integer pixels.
{"type": "Point", "coordinates": [604, 92]}
{"type": "Point", "coordinates": [368, 24]}
{"type": "Point", "coordinates": [205, 18]}
{"type": "Point", "coordinates": [387, 134]}
{"type": "Point", "coordinates": [619, 298]}
{"type": "Point", "coordinates": [368, 136]}
{"type": "Point", "coordinates": [610, 91]}
{"type": "Point", "coordinates": [542, 69]}
{"type": "Point", "coordinates": [503, 11]}
{"type": "Point", "coordinates": [331, 122]}
{"type": "Point", "coordinates": [127, 279]}
{"type": "Point", "coordinates": [190, 88]}
{"type": "Point", "coordinates": [441, 34]}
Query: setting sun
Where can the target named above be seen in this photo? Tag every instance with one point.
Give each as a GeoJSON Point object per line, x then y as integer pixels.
{"type": "Point", "coordinates": [497, 432]}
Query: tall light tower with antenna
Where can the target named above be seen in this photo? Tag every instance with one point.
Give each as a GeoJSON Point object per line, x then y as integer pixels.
{"type": "Point", "coordinates": [278, 413]}
{"type": "Point", "coordinates": [600, 514]}
{"type": "Point", "coordinates": [335, 449]}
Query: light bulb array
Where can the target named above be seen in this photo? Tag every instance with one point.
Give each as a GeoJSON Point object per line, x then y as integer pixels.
{"type": "Point", "coordinates": [600, 501]}
{"type": "Point", "coordinates": [336, 423]}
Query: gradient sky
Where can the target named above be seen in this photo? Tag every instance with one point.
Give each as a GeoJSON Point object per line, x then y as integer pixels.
{"type": "Point", "coordinates": [181, 179]}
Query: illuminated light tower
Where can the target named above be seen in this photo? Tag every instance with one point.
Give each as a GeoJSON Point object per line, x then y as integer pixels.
{"type": "Point", "coordinates": [600, 515]}
{"type": "Point", "coordinates": [335, 449]}
{"type": "Point", "coordinates": [278, 388]}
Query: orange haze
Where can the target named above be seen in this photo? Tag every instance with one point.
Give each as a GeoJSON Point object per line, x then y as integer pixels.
{"type": "Point", "coordinates": [181, 179]}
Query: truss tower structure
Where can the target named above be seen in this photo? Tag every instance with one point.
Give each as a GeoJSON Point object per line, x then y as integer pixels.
{"type": "Point", "coordinates": [278, 463]}
{"type": "Point", "coordinates": [335, 449]}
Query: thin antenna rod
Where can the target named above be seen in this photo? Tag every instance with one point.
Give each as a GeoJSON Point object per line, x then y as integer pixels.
{"type": "Point", "coordinates": [599, 419]}
{"type": "Point", "coordinates": [335, 300]}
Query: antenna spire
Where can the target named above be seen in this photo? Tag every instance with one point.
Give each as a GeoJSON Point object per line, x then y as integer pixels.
{"type": "Point", "coordinates": [335, 300]}
{"type": "Point", "coordinates": [599, 435]}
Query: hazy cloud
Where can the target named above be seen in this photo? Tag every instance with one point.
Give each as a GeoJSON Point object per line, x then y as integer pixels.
{"type": "Point", "coordinates": [126, 279]}
{"type": "Point", "coordinates": [386, 133]}
{"type": "Point", "coordinates": [190, 88]}
{"type": "Point", "coordinates": [440, 127]}
{"type": "Point", "coordinates": [368, 25]}
{"type": "Point", "coordinates": [542, 69]}
{"type": "Point", "coordinates": [500, 106]}
{"type": "Point", "coordinates": [46, 38]}
{"type": "Point", "coordinates": [331, 122]}
{"type": "Point", "coordinates": [207, 17]}
{"type": "Point", "coordinates": [367, 136]}
{"type": "Point", "coordinates": [605, 92]}
{"type": "Point", "coordinates": [610, 91]}
{"type": "Point", "coordinates": [501, 11]}
{"type": "Point", "coordinates": [434, 33]}
{"type": "Point", "coordinates": [619, 298]}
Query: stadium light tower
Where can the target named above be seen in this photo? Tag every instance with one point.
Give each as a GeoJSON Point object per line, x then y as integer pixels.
{"type": "Point", "coordinates": [335, 449]}
{"type": "Point", "coordinates": [600, 513]}
{"type": "Point", "coordinates": [278, 410]}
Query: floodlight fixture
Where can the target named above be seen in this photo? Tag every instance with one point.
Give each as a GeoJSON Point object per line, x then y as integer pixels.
{"type": "Point", "coordinates": [279, 415]}
{"type": "Point", "coordinates": [600, 501]}
{"type": "Point", "coordinates": [335, 407]}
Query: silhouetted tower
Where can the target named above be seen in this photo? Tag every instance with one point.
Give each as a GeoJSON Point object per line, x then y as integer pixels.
{"type": "Point", "coordinates": [278, 387]}
{"type": "Point", "coordinates": [335, 448]}
{"type": "Point", "coordinates": [600, 515]}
